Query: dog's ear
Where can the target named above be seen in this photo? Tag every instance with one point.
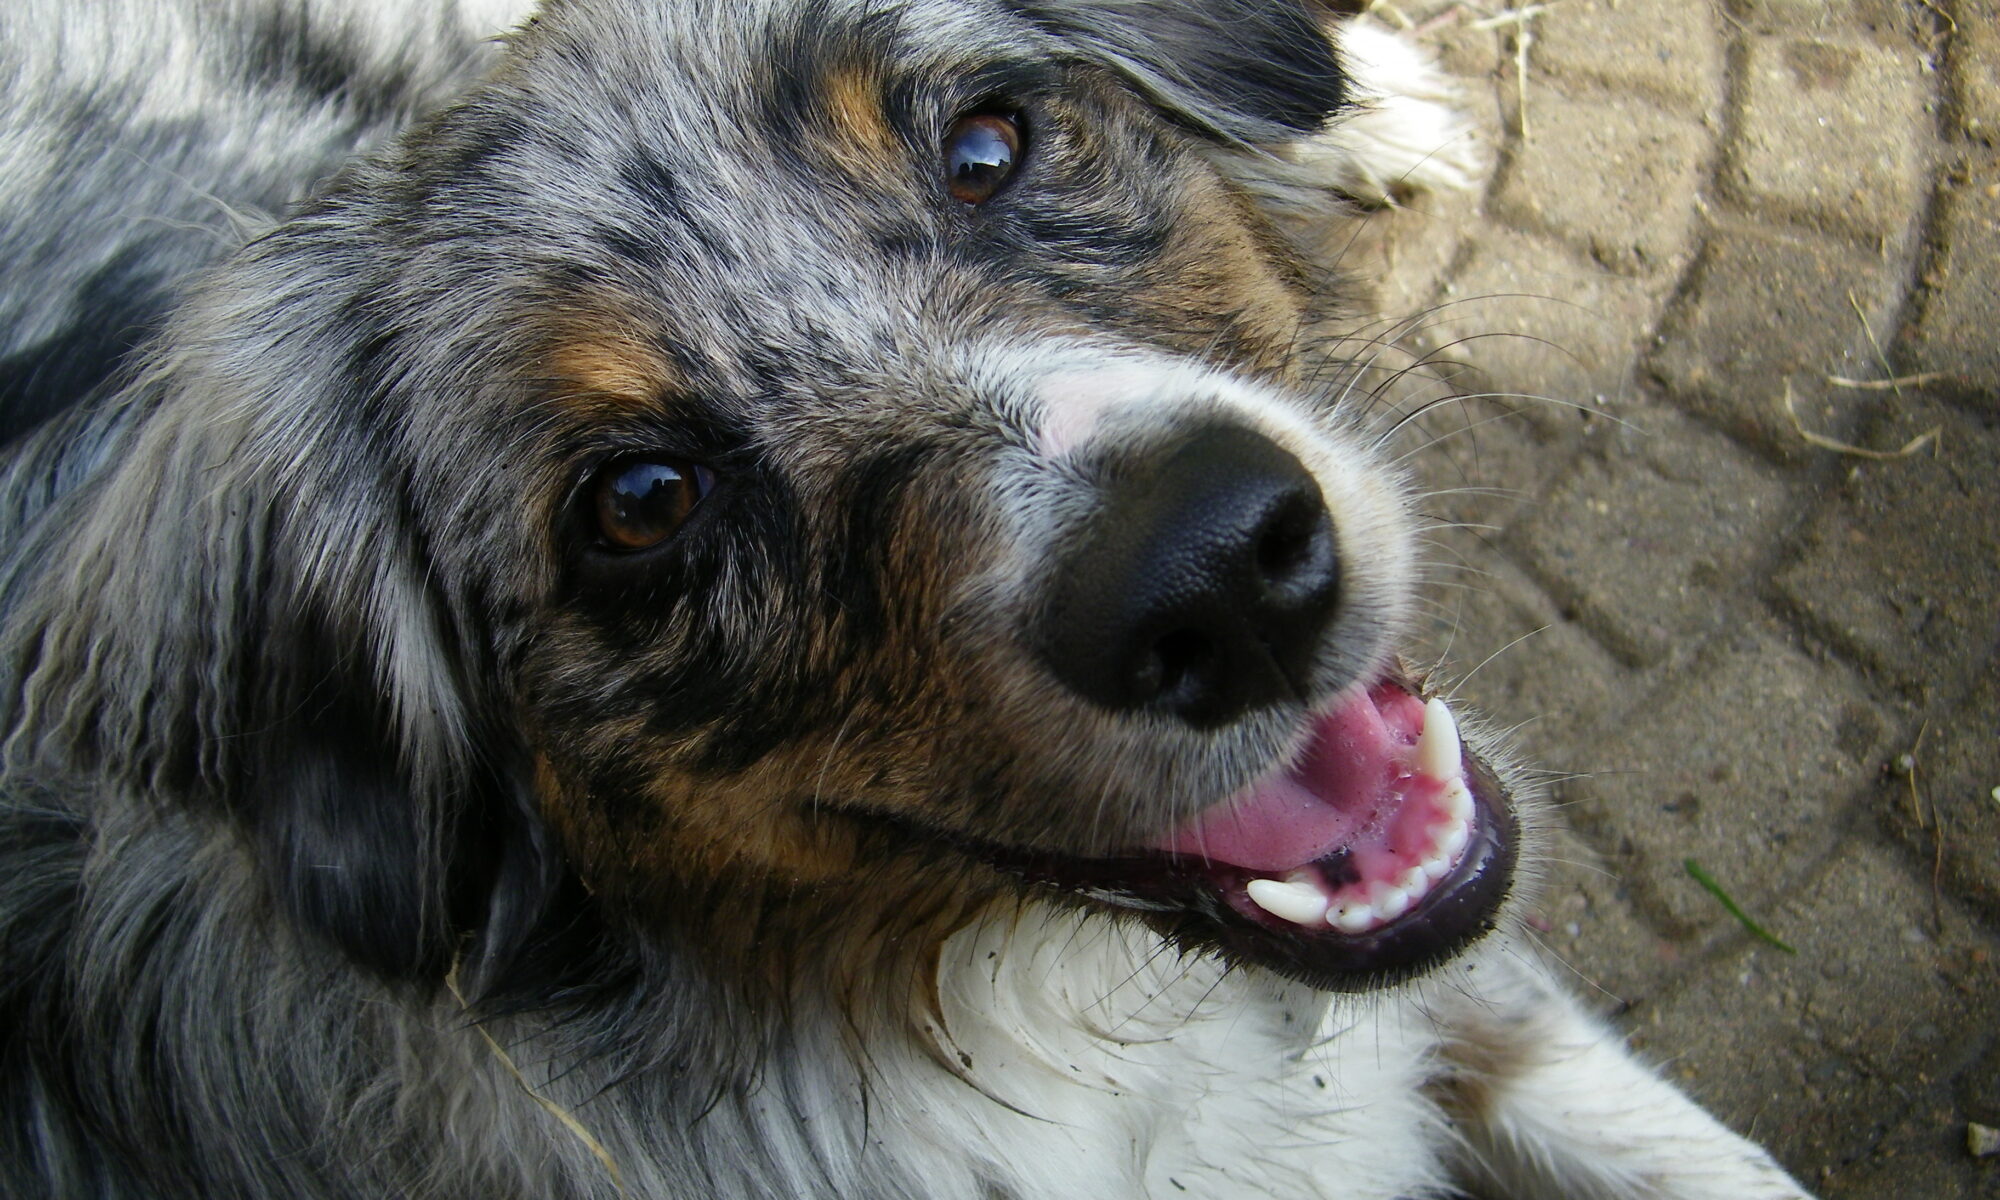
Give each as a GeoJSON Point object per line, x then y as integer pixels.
{"type": "Point", "coordinates": [362, 817]}
{"type": "Point", "coordinates": [232, 618]}
{"type": "Point", "coordinates": [410, 858]}
{"type": "Point", "coordinates": [392, 809]}
{"type": "Point", "coordinates": [1247, 71]}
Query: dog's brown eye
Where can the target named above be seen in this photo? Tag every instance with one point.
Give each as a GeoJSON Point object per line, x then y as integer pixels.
{"type": "Point", "coordinates": [642, 502]}
{"type": "Point", "coordinates": [979, 156]}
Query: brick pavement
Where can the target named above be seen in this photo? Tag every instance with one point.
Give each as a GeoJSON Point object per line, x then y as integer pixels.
{"type": "Point", "coordinates": [1736, 644]}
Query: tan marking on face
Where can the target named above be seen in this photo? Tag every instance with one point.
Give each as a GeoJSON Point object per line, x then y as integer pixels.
{"type": "Point", "coordinates": [747, 864]}
{"type": "Point", "coordinates": [771, 893]}
{"type": "Point", "coordinates": [1222, 263]}
{"type": "Point", "coordinates": [780, 822]}
{"type": "Point", "coordinates": [771, 822]}
{"type": "Point", "coordinates": [865, 141]}
{"type": "Point", "coordinates": [598, 362]}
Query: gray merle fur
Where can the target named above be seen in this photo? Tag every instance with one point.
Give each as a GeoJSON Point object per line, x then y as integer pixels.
{"type": "Point", "coordinates": [296, 616]}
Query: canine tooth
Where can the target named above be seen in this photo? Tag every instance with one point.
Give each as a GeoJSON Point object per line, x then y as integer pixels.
{"type": "Point", "coordinates": [1436, 865]}
{"type": "Point", "coordinates": [1438, 753]}
{"type": "Point", "coordinates": [1351, 916]}
{"type": "Point", "coordinates": [1388, 902]}
{"type": "Point", "coordinates": [1299, 903]}
{"type": "Point", "coordinates": [1413, 881]}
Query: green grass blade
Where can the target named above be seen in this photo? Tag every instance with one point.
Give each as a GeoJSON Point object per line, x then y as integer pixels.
{"type": "Point", "coordinates": [1714, 889]}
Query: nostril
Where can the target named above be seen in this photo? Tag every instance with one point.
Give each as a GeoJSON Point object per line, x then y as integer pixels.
{"type": "Point", "coordinates": [1294, 545]}
{"type": "Point", "coordinates": [1177, 666]}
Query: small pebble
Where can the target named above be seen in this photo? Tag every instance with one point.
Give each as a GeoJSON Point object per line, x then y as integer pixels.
{"type": "Point", "coordinates": [1982, 1140]}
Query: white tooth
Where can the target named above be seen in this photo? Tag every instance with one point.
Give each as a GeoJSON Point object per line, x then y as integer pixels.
{"type": "Point", "coordinates": [1388, 902]}
{"type": "Point", "coordinates": [1438, 755]}
{"type": "Point", "coordinates": [1457, 800]}
{"type": "Point", "coordinates": [1435, 866]}
{"type": "Point", "coordinates": [1299, 903]}
{"type": "Point", "coordinates": [1413, 881]}
{"type": "Point", "coordinates": [1451, 838]}
{"type": "Point", "coordinates": [1351, 916]}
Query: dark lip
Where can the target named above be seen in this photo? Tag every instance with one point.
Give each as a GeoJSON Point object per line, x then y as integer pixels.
{"type": "Point", "coordinates": [1186, 899]}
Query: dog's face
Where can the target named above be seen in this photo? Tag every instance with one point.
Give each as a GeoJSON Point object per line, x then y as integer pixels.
{"type": "Point", "coordinates": [923, 470]}
{"type": "Point", "coordinates": [872, 458]}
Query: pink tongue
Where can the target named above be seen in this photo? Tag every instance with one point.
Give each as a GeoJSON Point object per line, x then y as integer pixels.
{"type": "Point", "coordinates": [1341, 792]}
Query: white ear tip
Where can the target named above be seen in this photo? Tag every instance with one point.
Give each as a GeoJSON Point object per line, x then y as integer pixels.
{"type": "Point", "coordinates": [1406, 133]}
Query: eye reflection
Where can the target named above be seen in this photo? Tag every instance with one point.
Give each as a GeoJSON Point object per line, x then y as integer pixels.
{"type": "Point", "coordinates": [980, 153]}
{"type": "Point", "coordinates": [643, 502]}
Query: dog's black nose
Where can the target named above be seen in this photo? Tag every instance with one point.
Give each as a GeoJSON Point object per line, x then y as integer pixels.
{"type": "Point", "coordinates": [1202, 585]}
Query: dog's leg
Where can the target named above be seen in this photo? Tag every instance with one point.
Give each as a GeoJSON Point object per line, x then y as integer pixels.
{"type": "Point", "coordinates": [1549, 1103]}
{"type": "Point", "coordinates": [1404, 134]}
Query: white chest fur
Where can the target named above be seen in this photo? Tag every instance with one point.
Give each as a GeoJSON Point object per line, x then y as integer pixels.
{"type": "Point", "coordinates": [1077, 1058]}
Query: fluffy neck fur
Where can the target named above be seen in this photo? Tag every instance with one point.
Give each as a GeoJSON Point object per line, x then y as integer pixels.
{"type": "Point", "coordinates": [1044, 1053]}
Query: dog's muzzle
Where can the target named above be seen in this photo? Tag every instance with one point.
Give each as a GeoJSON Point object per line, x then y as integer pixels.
{"type": "Point", "coordinates": [1198, 593]}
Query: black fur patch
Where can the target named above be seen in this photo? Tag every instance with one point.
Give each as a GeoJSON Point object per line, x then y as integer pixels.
{"type": "Point", "coordinates": [115, 309]}
{"type": "Point", "coordinates": [1247, 70]}
{"type": "Point", "coordinates": [285, 48]}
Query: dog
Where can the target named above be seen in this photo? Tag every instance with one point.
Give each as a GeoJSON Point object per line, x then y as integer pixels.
{"type": "Point", "coordinates": [771, 599]}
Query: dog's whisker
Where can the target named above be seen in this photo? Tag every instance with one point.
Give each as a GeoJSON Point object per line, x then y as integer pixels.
{"type": "Point", "coordinates": [1484, 662]}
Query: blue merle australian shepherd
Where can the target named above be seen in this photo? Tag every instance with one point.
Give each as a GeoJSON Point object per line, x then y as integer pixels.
{"type": "Point", "coordinates": [741, 598]}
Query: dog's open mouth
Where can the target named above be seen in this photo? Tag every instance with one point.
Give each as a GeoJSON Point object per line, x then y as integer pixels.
{"type": "Point", "coordinates": [1383, 848]}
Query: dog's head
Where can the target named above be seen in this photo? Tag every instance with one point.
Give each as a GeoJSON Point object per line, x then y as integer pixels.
{"type": "Point", "coordinates": [793, 467]}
